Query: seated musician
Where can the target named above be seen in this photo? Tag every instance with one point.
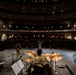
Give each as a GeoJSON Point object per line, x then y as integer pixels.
{"type": "Point", "coordinates": [39, 51]}
{"type": "Point", "coordinates": [39, 66]}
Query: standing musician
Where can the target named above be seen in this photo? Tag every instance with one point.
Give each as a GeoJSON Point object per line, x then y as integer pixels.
{"type": "Point", "coordinates": [18, 47]}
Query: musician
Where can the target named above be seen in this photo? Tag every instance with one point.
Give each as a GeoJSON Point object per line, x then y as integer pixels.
{"type": "Point", "coordinates": [39, 51]}
{"type": "Point", "coordinates": [39, 65]}
{"type": "Point", "coordinates": [18, 47]}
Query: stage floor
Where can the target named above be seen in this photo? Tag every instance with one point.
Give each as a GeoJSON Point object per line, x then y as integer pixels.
{"type": "Point", "coordinates": [67, 59]}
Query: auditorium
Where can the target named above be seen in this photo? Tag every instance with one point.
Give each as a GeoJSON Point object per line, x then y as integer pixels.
{"type": "Point", "coordinates": [37, 37]}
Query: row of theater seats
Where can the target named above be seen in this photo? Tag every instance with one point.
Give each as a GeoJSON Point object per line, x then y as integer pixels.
{"type": "Point", "coordinates": [57, 44]}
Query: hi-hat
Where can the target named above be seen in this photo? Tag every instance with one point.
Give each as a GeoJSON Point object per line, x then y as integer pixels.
{"type": "Point", "coordinates": [31, 53]}
{"type": "Point", "coordinates": [56, 57]}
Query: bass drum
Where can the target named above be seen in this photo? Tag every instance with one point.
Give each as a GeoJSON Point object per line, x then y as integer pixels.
{"type": "Point", "coordinates": [38, 70]}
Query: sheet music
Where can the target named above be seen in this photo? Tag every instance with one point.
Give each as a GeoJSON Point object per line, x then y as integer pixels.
{"type": "Point", "coordinates": [20, 64]}
{"type": "Point", "coordinates": [16, 68]}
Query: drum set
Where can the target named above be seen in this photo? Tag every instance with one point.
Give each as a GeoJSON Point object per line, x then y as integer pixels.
{"type": "Point", "coordinates": [42, 60]}
{"type": "Point", "coordinates": [33, 55]}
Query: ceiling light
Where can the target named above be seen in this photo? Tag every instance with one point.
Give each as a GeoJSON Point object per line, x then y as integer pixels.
{"type": "Point", "coordinates": [48, 12]}
{"type": "Point", "coordinates": [61, 10]}
{"type": "Point", "coordinates": [32, 27]}
{"type": "Point", "coordinates": [51, 26]}
{"type": "Point", "coordinates": [54, 7]}
{"type": "Point", "coordinates": [48, 19]}
{"type": "Point", "coordinates": [1, 7]}
{"type": "Point", "coordinates": [43, 11]}
{"type": "Point", "coordinates": [42, 0]}
{"type": "Point", "coordinates": [34, 36]}
{"type": "Point", "coordinates": [42, 18]}
{"type": "Point", "coordinates": [53, 12]}
{"type": "Point", "coordinates": [32, 0]}
{"type": "Point", "coordinates": [44, 27]}
{"type": "Point", "coordinates": [74, 38]}
{"type": "Point", "coordinates": [9, 25]}
{"type": "Point", "coordinates": [74, 26]}
{"type": "Point", "coordinates": [59, 16]}
{"type": "Point", "coordinates": [25, 36]}
{"type": "Point", "coordinates": [43, 8]}
{"type": "Point", "coordinates": [42, 35]}
{"type": "Point", "coordinates": [69, 37]}
{"type": "Point", "coordinates": [16, 26]}
{"type": "Point", "coordinates": [35, 0]}
{"type": "Point", "coordinates": [34, 11]}
{"type": "Point", "coordinates": [4, 26]}
{"type": "Point", "coordinates": [38, 35]}
{"type": "Point", "coordinates": [35, 18]}
{"type": "Point", "coordinates": [23, 7]}
{"type": "Point", "coordinates": [33, 8]}
{"type": "Point", "coordinates": [10, 37]}
{"type": "Point", "coordinates": [25, 26]}
{"type": "Point", "coordinates": [68, 25]}
{"type": "Point", "coordinates": [23, 0]}
{"type": "Point", "coordinates": [4, 37]}
{"type": "Point", "coordinates": [17, 0]}
{"type": "Point", "coordinates": [60, 26]}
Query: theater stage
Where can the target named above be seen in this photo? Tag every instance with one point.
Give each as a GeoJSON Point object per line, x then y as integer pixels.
{"type": "Point", "coordinates": [67, 60]}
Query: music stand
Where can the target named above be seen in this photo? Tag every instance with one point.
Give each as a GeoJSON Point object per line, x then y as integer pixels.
{"type": "Point", "coordinates": [20, 64]}
{"type": "Point", "coordinates": [17, 67]}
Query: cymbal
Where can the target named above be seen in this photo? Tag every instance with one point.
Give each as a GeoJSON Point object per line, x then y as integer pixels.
{"type": "Point", "coordinates": [27, 59]}
{"type": "Point", "coordinates": [31, 53]}
{"type": "Point", "coordinates": [48, 56]}
{"type": "Point", "coordinates": [56, 57]}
